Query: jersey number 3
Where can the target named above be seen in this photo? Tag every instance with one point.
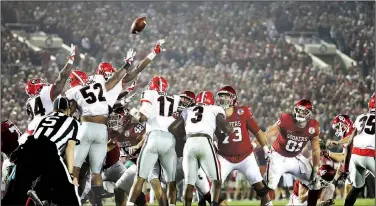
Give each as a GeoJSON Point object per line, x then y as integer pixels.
{"type": "Point", "coordinates": [90, 97]}
{"type": "Point", "coordinates": [199, 110]}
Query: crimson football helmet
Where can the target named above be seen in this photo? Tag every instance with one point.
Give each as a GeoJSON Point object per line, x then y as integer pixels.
{"type": "Point", "coordinates": [119, 117]}
{"type": "Point", "coordinates": [34, 86]}
{"type": "Point", "coordinates": [327, 172]}
{"type": "Point", "coordinates": [371, 103]}
{"type": "Point", "coordinates": [227, 97]}
{"type": "Point", "coordinates": [303, 110]}
{"type": "Point", "coordinates": [187, 99]}
{"type": "Point", "coordinates": [105, 69]}
{"type": "Point", "coordinates": [159, 84]}
{"type": "Point", "coordinates": [205, 97]}
{"type": "Point", "coordinates": [77, 77]}
{"type": "Point", "coordinates": [341, 124]}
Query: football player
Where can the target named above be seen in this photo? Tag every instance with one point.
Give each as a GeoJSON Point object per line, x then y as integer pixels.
{"type": "Point", "coordinates": [187, 99]}
{"type": "Point", "coordinates": [42, 94]}
{"type": "Point", "coordinates": [157, 109]}
{"type": "Point", "coordinates": [294, 132]}
{"type": "Point", "coordinates": [200, 123]}
{"type": "Point", "coordinates": [90, 98]}
{"type": "Point", "coordinates": [362, 155]}
{"type": "Point", "coordinates": [236, 151]}
{"type": "Point", "coordinates": [106, 70]}
{"type": "Point", "coordinates": [300, 191]}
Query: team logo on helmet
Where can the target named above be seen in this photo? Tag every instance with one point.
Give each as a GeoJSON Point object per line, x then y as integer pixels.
{"type": "Point", "coordinates": [240, 111]}
{"type": "Point", "coordinates": [322, 172]}
{"type": "Point", "coordinates": [127, 133]}
{"type": "Point", "coordinates": [311, 130]}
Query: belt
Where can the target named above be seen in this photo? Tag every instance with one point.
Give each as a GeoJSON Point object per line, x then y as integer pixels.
{"type": "Point", "coordinates": [200, 135]}
{"type": "Point", "coordinates": [364, 152]}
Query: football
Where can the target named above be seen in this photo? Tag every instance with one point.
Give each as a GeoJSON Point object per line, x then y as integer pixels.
{"type": "Point", "coordinates": [138, 25]}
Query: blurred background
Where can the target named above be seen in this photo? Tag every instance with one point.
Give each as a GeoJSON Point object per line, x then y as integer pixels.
{"type": "Point", "coordinates": [273, 53]}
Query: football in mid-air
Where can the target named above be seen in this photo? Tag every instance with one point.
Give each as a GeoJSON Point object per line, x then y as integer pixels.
{"type": "Point", "coordinates": [138, 25]}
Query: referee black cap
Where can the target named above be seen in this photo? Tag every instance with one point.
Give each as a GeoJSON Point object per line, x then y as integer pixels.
{"type": "Point", "coordinates": [61, 103]}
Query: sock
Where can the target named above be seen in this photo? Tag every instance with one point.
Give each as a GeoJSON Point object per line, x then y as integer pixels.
{"type": "Point", "coordinates": [351, 197]}
{"type": "Point", "coordinates": [313, 196]}
{"type": "Point", "coordinates": [141, 200]}
{"type": "Point", "coordinates": [98, 191]}
{"type": "Point", "coordinates": [129, 203]}
{"type": "Point", "coordinates": [207, 197]}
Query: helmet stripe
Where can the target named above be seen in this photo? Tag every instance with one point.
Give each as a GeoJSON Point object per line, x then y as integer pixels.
{"type": "Point", "coordinates": [203, 96]}
{"type": "Point", "coordinates": [78, 77]}
{"type": "Point", "coordinates": [160, 83]}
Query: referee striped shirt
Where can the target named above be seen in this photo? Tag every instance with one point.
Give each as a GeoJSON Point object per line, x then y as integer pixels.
{"type": "Point", "coordinates": [58, 128]}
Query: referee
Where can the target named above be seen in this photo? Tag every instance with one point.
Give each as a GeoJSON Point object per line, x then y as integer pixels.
{"type": "Point", "coordinates": [39, 162]}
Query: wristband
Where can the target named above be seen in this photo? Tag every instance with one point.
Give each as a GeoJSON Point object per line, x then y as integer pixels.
{"type": "Point", "coordinates": [70, 61]}
{"type": "Point", "coordinates": [152, 55]}
{"type": "Point", "coordinates": [254, 145]}
{"type": "Point", "coordinates": [266, 149]}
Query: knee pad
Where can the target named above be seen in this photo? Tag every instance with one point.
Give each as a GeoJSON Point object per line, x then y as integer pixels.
{"type": "Point", "coordinates": [141, 200]}
{"type": "Point", "coordinates": [262, 192]}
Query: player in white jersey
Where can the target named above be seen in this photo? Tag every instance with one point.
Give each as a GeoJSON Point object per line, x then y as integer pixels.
{"type": "Point", "coordinates": [363, 152]}
{"type": "Point", "coordinates": [42, 94]}
{"type": "Point", "coordinates": [89, 97]}
{"type": "Point", "coordinates": [157, 109]}
{"type": "Point", "coordinates": [106, 70]}
{"type": "Point", "coordinates": [200, 123]}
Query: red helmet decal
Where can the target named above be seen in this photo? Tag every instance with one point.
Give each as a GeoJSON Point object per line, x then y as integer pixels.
{"type": "Point", "coordinates": [205, 97]}
{"type": "Point", "coordinates": [158, 84]}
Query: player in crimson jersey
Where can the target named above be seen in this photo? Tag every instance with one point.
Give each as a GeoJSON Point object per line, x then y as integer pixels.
{"type": "Point", "coordinates": [236, 151]}
{"type": "Point", "coordinates": [293, 132]}
{"type": "Point", "coordinates": [300, 191]}
{"type": "Point", "coordinates": [9, 137]}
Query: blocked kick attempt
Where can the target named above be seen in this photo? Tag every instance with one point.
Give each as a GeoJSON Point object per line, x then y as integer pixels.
{"type": "Point", "coordinates": [200, 123]}
{"type": "Point", "coordinates": [294, 132]}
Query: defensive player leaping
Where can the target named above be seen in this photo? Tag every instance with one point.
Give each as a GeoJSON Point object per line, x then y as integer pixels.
{"type": "Point", "coordinates": [294, 132]}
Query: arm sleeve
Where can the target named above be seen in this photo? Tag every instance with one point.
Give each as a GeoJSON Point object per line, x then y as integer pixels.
{"type": "Point", "coordinates": [184, 114]}
{"type": "Point", "coordinates": [251, 122]}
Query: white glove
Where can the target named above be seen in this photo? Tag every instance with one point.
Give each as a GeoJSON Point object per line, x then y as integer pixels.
{"type": "Point", "coordinates": [135, 113]}
{"type": "Point", "coordinates": [132, 150]}
{"type": "Point", "coordinates": [130, 56]}
{"type": "Point", "coordinates": [125, 101]}
{"type": "Point", "coordinates": [315, 184]}
{"type": "Point", "coordinates": [157, 49]}
{"type": "Point", "coordinates": [72, 54]}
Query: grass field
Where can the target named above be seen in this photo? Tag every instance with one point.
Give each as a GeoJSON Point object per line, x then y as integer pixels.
{"type": "Point", "coordinates": [359, 202]}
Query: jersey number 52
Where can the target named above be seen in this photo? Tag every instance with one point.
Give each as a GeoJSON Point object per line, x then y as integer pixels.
{"type": "Point", "coordinates": [89, 96]}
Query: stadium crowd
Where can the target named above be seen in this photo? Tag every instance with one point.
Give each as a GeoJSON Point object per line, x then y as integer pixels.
{"type": "Point", "coordinates": [209, 44]}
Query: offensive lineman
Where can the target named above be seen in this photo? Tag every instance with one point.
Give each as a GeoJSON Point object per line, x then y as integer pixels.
{"type": "Point", "coordinates": [236, 151]}
{"type": "Point", "coordinates": [294, 132]}
{"type": "Point", "coordinates": [157, 108]}
{"type": "Point", "coordinates": [200, 123]}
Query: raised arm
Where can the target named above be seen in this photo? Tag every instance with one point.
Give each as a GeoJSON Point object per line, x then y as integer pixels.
{"type": "Point", "coordinates": [145, 62]}
{"type": "Point", "coordinates": [129, 89]}
{"type": "Point", "coordinates": [120, 73]}
{"type": "Point", "coordinates": [63, 75]}
{"type": "Point", "coordinates": [272, 131]}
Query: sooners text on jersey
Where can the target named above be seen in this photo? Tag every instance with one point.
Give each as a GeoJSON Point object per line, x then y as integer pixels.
{"type": "Point", "coordinates": [292, 139]}
{"type": "Point", "coordinates": [236, 147]}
